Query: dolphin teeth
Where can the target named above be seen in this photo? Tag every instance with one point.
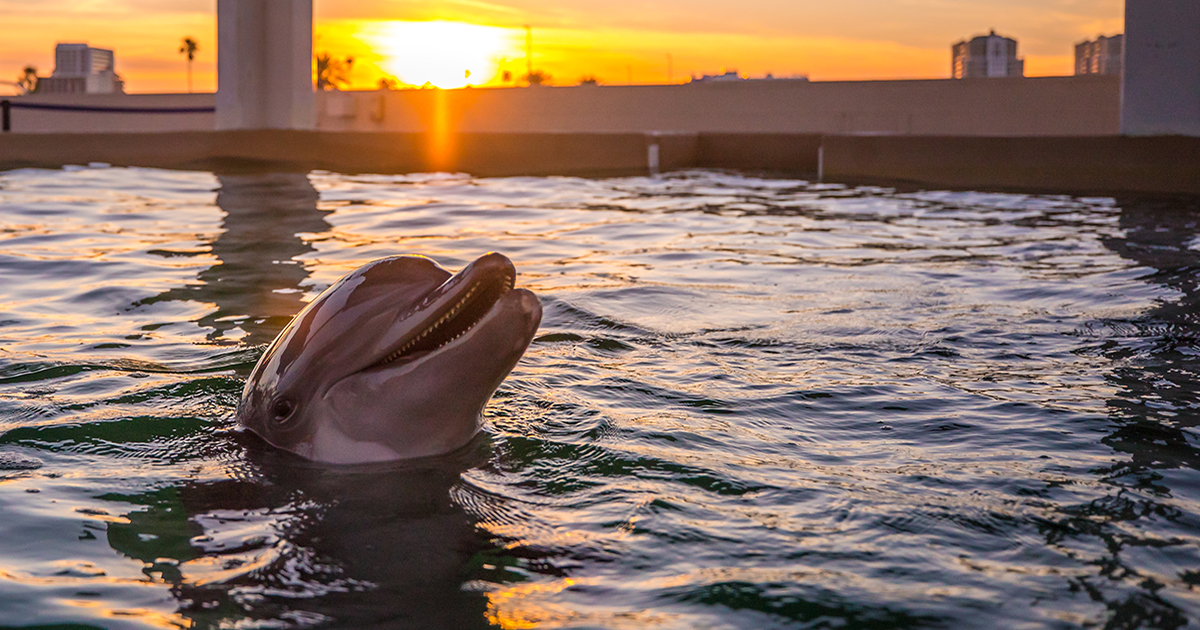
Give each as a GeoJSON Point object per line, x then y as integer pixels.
{"type": "Point", "coordinates": [456, 309]}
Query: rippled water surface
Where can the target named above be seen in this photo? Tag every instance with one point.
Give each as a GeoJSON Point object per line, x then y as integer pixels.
{"type": "Point", "coordinates": [753, 403]}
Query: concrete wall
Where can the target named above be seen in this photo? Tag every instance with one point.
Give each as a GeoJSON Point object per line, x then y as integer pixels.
{"type": "Point", "coordinates": [1097, 165]}
{"type": "Point", "coordinates": [1065, 106]}
{"type": "Point", "coordinates": [1161, 91]}
{"type": "Point", "coordinates": [282, 150]}
{"type": "Point", "coordinates": [265, 65]}
{"type": "Point", "coordinates": [1053, 106]}
{"type": "Point", "coordinates": [53, 121]}
{"type": "Point", "coordinates": [1091, 166]}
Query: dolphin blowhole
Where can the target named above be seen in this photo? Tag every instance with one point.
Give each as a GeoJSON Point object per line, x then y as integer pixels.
{"type": "Point", "coordinates": [395, 360]}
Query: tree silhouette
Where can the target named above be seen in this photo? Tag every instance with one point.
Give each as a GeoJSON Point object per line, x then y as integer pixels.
{"type": "Point", "coordinates": [538, 77]}
{"type": "Point", "coordinates": [333, 73]}
{"type": "Point", "coordinates": [189, 48]}
{"type": "Point", "coordinates": [28, 79]}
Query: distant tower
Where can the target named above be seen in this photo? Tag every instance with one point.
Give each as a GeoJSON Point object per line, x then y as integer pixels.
{"type": "Point", "coordinates": [264, 65]}
{"type": "Point", "coordinates": [1100, 56]}
{"type": "Point", "coordinates": [79, 68]}
{"type": "Point", "coordinates": [986, 56]}
{"type": "Point", "coordinates": [1160, 85]}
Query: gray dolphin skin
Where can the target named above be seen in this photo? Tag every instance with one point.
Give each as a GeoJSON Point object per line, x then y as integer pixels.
{"type": "Point", "coordinates": [395, 360]}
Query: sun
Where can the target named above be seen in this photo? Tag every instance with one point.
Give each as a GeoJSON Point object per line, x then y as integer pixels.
{"type": "Point", "coordinates": [443, 54]}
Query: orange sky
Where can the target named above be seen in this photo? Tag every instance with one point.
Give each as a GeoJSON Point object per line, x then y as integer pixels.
{"type": "Point", "coordinates": [616, 41]}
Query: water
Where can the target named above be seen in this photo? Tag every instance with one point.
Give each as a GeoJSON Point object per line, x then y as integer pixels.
{"type": "Point", "coordinates": [752, 403]}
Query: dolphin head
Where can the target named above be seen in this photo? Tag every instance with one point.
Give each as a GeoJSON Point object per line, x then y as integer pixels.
{"type": "Point", "coordinates": [395, 360]}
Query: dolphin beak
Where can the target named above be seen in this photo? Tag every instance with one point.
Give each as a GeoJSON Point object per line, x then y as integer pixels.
{"type": "Point", "coordinates": [449, 311]}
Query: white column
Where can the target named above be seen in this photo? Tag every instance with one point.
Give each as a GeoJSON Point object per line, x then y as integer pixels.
{"type": "Point", "coordinates": [264, 65]}
{"type": "Point", "coordinates": [1160, 86]}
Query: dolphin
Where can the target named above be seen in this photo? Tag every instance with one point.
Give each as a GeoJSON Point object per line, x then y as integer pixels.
{"type": "Point", "coordinates": [396, 360]}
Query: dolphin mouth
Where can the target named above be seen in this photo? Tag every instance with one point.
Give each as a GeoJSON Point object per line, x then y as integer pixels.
{"type": "Point", "coordinates": [451, 310]}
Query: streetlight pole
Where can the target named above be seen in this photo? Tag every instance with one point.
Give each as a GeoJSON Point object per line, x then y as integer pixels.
{"type": "Point", "coordinates": [529, 53]}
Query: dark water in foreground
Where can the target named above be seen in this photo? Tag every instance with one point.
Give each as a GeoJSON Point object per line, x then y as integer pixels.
{"type": "Point", "coordinates": [753, 404]}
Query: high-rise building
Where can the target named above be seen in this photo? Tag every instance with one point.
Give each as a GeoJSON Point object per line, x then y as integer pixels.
{"type": "Point", "coordinates": [986, 56]}
{"type": "Point", "coordinates": [79, 68]}
{"type": "Point", "coordinates": [1099, 56]}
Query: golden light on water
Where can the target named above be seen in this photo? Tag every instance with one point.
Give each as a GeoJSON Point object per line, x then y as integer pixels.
{"type": "Point", "coordinates": [439, 53]}
{"type": "Point", "coordinates": [511, 609]}
{"type": "Point", "coordinates": [528, 605]}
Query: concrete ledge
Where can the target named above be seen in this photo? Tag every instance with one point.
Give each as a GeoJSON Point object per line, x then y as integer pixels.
{"type": "Point", "coordinates": [51, 121]}
{"type": "Point", "coordinates": [592, 154]}
{"type": "Point", "coordinates": [485, 154]}
{"type": "Point", "coordinates": [1096, 165]}
{"type": "Point", "coordinates": [779, 152]}
{"type": "Point", "coordinates": [1086, 105]}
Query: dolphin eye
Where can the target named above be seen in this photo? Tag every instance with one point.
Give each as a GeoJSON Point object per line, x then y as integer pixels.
{"type": "Point", "coordinates": [282, 409]}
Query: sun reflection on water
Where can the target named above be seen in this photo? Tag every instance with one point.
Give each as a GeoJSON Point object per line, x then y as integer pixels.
{"type": "Point", "coordinates": [510, 609]}
{"type": "Point", "coordinates": [534, 605]}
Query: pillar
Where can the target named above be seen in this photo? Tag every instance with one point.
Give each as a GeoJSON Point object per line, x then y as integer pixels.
{"type": "Point", "coordinates": [1160, 85]}
{"type": "Point", "coordinates": [264, 65]}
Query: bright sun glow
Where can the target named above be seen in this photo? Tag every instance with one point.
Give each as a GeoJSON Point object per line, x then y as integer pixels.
{"type": "Point", "coordinates": [444, 54]}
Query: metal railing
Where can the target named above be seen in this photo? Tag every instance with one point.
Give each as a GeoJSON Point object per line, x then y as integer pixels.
{"type": "Point", "coordinates": [6, 107]}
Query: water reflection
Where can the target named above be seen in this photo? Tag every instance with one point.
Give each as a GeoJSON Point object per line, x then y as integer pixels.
{"type": "Point", "coordinates": [256, 283]}
{"type": "Point", "coordinates": [725, 464]}
{"type": "Point", "coordinates": [1156, 368]}
{"type": "Point", "coordinates": [288, 541]}
{"type": "Point", "coordinates": [283, 540]}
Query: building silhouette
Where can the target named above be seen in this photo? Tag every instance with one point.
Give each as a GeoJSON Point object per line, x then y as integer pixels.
{"type": "Point", "coordinates": [986, 56]}
{"type": "Point", "coordinates": [1099, 56]}
{"type": "Point", "coordinates": [81, 69]}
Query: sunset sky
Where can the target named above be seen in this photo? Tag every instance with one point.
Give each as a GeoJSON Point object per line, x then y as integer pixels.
{"type": "Point", "coordinates": [617, 41]}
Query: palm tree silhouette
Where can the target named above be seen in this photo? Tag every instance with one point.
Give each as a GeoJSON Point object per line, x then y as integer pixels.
{"type": "Point", "coordinates": [189, 47]}
{"type": "Point", "coordinates": [28, 80]}
{"type": "Point", "coordinates": [333, 73]}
